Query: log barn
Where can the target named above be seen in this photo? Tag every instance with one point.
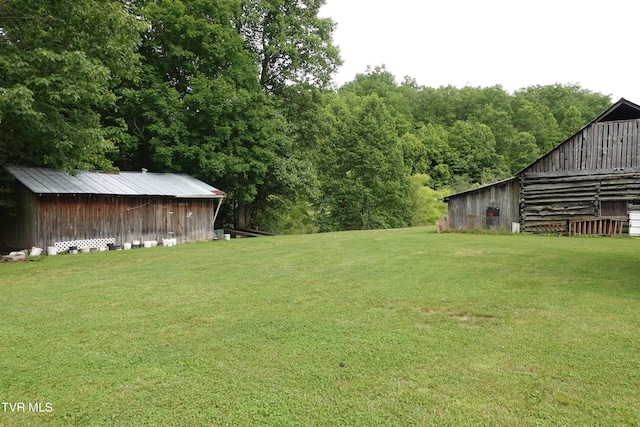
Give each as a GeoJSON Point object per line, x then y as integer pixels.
{"type": "Point", "coordinates": [587, 184]}
{"type": "Point", "coordinates": [54, 206]}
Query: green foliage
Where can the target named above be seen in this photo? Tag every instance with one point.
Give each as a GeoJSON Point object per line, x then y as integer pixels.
{"type": "Point", "coordinates": [291, 43]}
{"type": "Point", "coordinates": [8, 202]}
{"type": "Point", "coordinates": [363, 179]}
{"type": "Point", "coordinates": [558, 98]}
{"type": "Point", "coordinates": [501, 124]}
{"type": "Point", "coordinates": [572, 121]}
{"type": "Point", "coordinates": [474, 150]}
{"type": "Point", "coordinates": [55, 122]}
{"type": "Point", "coordinates": [524, 151]}
{"type": "Point", "coordinates": [235, 92]}
{"type": "Point", "coordinates": [461, 138]}
{"type": "Point", "coordinates": [199, 109]}
{"type": "Point", "coordinates": [537, 120]}
{"type": "Point", "coordinates": [284, 216]}
{"type": "Point", "coordinates": [59, 64]}
{"type": "Point", "coordinates": [426, 203]}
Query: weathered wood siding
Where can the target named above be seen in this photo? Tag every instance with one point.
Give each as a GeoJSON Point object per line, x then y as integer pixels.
{"type": "Point", "coordinates": [601, 163]}
{"type": "Point", "coordinates": [549, 200]}
{"type": "Point", "coordinates": [593, 174]}
{"type": "Point", "coordinates": [606, 145]}
{"type": "Point", "coordinates": [469, 210]}
{"type": "Point", "coordinates": [66, 217]}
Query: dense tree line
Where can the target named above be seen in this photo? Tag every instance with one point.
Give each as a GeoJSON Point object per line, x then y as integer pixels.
{"type": "Point", "coordinates": [238, 93]}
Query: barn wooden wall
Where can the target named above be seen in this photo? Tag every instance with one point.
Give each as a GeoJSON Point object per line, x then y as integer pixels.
{"type": "Point", "coordinates": [468, 210]}
{"type": "Point", "coordinates": [549, 200]}
{"type": "Point", "coordinates": [601, 163]}
{"type": "Point", "coordinates": [606, 145]}
{"type": "Point", "coordinates": [75, 217]}
{"type": "Point", "coordinates": [594, 173]}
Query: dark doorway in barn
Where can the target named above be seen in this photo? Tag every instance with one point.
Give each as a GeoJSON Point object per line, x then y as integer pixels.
{"type": "Point", "coordinates": [492, 217]}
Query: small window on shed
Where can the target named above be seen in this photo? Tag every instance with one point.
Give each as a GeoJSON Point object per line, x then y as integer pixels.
{"type": "Point", "coordinates": [613, 208]}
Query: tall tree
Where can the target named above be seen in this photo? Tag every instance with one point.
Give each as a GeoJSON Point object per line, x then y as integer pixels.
{"type": "Point", "coordinates": [378, 80]}
{"type": "Point", "coordinates": [199, 108]}
{"type": "Point", "coordinates": [440, 156]}
{"type": "Point", "coordinates": [572, 122]}
{"type": "Point", "coordinates": [364, 183]}
{"type": "Point", "coordinates": [59, 64]}
{"type": "Point", "coordinates": [537, 120]}
{"type": "Point", "coordinates": [523, 152]}
{"type": "Point", "coordinates": [559, 97]}
{"type": "Point", "coordinates": [293, 50]}
{"type": "Point", "coordinates": [291, 43]}
{"type": "Point", "coordinates": [475, 154]}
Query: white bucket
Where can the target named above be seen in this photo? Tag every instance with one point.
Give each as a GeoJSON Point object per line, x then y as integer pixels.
{"type": "Point", "coordinates": [515, 227]}
{"type": "Point", "coordinates": [51, 250]}
{"type": "Point", "coordinates": [35, 251]}
{"type": "Point", "coordinates": [227, 237]}
{"type": "Point", "coordinates": [174, 242]}
{"type": "Point", "coordinates": [127, 246]}
{"type": "Point", "coordinates": [147, 243]}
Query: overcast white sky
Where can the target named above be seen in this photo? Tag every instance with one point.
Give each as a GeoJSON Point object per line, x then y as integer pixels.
{"type": "Point", "coordinates": [484, 43]}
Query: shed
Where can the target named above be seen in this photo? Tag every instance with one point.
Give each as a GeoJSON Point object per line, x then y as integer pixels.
{"type": "Point", "coordinates": [55, 206]}
{"type": "Point", "coordinates": [491, 206]}
{"type": "Point", "coordinates": [587, 184]}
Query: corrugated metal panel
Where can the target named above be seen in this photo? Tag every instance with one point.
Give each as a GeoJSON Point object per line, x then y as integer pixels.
{"type": "Point", "coordinates": [49, 181]}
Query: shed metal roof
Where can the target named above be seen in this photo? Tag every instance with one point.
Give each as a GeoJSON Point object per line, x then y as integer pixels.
{"type": "Point", "coordinates": [478, 189]}
{"type": "Point", "coordinates": [50, 181]}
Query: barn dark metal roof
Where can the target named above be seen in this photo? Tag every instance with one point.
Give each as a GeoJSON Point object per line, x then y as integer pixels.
{"type": "Point", "coordinates": [50, 181]}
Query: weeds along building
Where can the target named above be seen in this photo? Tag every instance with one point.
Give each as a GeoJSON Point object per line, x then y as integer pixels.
{"type": "Point", "coordinates": [54, 206]}
{"type": "Point", "coordinates": [587, 184]}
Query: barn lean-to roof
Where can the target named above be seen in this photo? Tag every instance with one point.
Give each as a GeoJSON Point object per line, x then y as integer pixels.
{"type": "Point", "coordinates": [621, 110]}
{"type": "Point", "coordinates": [481, 188]}
{"type": "Point", "coordinates": [125, 183]}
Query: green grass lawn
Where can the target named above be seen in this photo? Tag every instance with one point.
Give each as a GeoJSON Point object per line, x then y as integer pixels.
{"type": "Point", "coordinates": [376, 328]}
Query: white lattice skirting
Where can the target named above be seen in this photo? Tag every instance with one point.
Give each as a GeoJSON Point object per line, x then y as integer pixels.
{"type": "Point", "coordinates": [88, 243]}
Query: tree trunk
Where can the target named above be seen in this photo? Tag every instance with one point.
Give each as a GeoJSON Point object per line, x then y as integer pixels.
{"type": "Point", "coordinates": [243, 215]}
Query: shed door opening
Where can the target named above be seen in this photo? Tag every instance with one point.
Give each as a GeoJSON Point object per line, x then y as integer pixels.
{"type": "Point", "coordinates": [492, 218]}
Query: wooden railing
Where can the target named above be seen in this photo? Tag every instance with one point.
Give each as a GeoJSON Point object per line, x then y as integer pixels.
{"type": "Point", "coordinates": [600, 226]}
